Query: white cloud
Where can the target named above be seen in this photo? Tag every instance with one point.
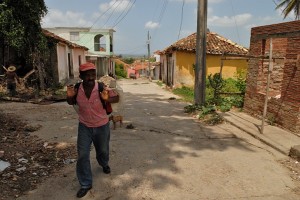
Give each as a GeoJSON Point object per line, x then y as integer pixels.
{"type": "Point", "coordinates": [226, 21]}
{"type": "Point", "coordinates": [56, 18]}
{"type": "Point", "coordinates": [116, 5]}
{"type": "Point", "coordinates": [151, 25]}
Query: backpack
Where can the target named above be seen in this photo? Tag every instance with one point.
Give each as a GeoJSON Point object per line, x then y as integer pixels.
{"type": "Point", "coordinates": [106, 105]}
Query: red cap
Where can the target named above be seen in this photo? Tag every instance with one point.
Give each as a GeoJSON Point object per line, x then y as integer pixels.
{"type": "Point", "coordinates": [86, 66]}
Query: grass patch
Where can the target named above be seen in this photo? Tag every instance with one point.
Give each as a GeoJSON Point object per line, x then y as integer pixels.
{"type": "Point", "coordinates": [187, 94]}
{"type": "Point", "coordinates": [159, 83]}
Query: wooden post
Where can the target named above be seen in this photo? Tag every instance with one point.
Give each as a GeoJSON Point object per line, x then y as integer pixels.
{"type": "Point", "coordinates": [200, 67]}
{"type": "Point", "coordinates": [270, 69]}
{"type": "Point", "coordinates": [222, 63]}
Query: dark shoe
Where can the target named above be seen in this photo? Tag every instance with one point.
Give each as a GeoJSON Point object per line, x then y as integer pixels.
{"type": "Point", "coordinates": [82, 192]}
{"type": "Point", "coordinates": [106, 169]}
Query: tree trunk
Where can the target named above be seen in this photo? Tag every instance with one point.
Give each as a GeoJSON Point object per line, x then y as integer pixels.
{"type": "Point", "coordinates": [40, 72]}
{"type": "Point", "coordinates": [41, 75]}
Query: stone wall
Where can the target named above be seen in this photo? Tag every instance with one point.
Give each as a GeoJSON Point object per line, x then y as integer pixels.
{"type": "Point", "coordinates": [284, 88]}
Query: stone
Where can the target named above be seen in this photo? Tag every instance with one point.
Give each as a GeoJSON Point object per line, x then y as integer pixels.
{"type": "Point", "coordinates": [295, 152]}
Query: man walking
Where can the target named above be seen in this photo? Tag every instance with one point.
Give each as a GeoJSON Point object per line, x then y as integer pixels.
{"type": "Point", "coordinates": [93, 125]}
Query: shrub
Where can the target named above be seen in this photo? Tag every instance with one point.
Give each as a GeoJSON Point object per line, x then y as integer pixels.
{"type": "Point", "coordinates": [120, 72]}
{"type": "Point", "coordinates": [241, 81]}
{"type": "Point", "coordinates": [192, 108]}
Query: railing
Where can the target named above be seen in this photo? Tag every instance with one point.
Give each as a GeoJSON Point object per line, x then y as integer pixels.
{"type": "Point", "coordinates": [99, 47]}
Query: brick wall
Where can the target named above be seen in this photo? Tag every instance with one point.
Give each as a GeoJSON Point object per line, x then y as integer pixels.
{"type": "Point", "coordinates": [284, 89]}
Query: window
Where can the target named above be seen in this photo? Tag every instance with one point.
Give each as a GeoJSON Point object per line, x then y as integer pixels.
{"type": "Point", "coordinates": [99, 43]}
{"type": "Point", "coordinates": [74, 36]}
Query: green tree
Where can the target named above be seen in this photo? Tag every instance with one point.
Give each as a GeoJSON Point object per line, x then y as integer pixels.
{"type": "Point", "coordinates": [120, 72]}
{"type": "Point", "coordinates": [289, 6]}
{"type": "Point", "coordinates": [20, 29]}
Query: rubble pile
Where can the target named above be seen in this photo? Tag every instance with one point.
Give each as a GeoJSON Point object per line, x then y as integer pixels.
{"type": "Point", "coordinates": [31, 160]}
{"type": "Point", "coordinates": [107, 80]}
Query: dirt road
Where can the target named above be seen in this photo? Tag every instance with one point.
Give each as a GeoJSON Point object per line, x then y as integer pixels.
{"type": "Point", "coordinates": [168, 154]}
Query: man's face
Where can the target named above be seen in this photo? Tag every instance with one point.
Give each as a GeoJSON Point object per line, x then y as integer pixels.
{"type": "Point", "coordinates": [88, 77]}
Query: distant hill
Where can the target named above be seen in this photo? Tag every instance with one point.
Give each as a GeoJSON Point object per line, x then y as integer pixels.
{"type": "Point", "coordinates": [138, 56]}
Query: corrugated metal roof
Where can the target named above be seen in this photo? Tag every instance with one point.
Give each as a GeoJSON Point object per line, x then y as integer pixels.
{"type": "Point", "coordinates": [215, 44]}
{"type": "Point", "coordinates": [60, 39]}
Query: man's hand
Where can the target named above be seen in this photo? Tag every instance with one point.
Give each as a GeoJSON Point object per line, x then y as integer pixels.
{"type": "Point", "coordinates": [105, 95]}
{"type": "Point", "coordinates": [71, 94]}
{"type": "Point", "coordinates": [70, 91]}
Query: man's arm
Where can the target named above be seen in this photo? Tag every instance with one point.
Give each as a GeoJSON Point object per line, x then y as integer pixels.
{"type": "Point", "coordinates": [113, 96]}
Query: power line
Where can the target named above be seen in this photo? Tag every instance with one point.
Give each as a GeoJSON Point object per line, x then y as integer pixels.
{"type": "Point", "coordinates": [85, 33]}
{"type": "Point", "coordinates": [183, 1]}
{"type": "Point", "coordinates": [125, 14]}
{"type": "Point", "coordinates": [112, 12]}
{"type": "Point", "coordinates": [156, 8]}
{"type": "Point", "coordinates": [129, 3]}
{"type": "Point", "coordinates": [103, 14]}
{"type": "Point", "coordinates": [236, 28]}
{"type": "Point", "coordinates": [162, 12]}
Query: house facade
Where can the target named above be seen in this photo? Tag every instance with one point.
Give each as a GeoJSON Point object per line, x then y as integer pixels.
{"type": "Point", "coordinates": [98, 41]}
{"type": "Point", "coordinates": [60, 65]}
{"type": "Point", "coordinates": [65, 58]}
{"type": "Point", "coordinates": [178, 60]}
{"type": "Point", "coordinates": [138, 68]}
{"type": "Point", "coordinates": [281, 42]}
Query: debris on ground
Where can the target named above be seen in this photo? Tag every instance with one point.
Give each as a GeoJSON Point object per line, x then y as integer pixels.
{"type": "Point", "coordinates": [294, 166]}
{"type": "Point", "coordinates": [31, 161]}
{"type": "Point", "coordinates": [130, 126]}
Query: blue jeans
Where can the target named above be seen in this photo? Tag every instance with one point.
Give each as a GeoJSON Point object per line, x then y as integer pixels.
{"type": "Point", "coordinates": [100, 137]}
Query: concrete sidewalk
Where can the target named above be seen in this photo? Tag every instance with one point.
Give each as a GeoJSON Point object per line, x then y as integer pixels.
{"type": "Point", "coordinates": [281, 140]}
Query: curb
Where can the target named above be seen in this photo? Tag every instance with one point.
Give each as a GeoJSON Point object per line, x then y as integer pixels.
{"type": "Point", "coordinates": [257, 137]}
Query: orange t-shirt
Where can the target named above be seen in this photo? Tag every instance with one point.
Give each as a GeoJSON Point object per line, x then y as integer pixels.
{"type": "Point", "coordinates": [91, 112]}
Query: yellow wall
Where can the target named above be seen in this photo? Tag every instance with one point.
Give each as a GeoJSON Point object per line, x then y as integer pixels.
{"type": "Point", "coordinates": [184, 72]}
{"type": "Point", "coordinates": [230, 67]}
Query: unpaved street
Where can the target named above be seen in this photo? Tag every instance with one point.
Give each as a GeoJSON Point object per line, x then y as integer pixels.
{"type": "Point", "coordinates": [167, 155]}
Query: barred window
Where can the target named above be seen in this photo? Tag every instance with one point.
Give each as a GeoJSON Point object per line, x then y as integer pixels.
{"type": "Point", "coordinates": [74, 36]}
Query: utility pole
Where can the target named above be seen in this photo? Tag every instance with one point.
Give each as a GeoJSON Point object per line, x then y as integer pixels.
{"type": "Point", "coordinates": [200, 68]}
{"type": "Point", "coordinates": [148, 44]}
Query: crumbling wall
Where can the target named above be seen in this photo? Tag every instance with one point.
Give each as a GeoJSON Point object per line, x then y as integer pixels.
{"type": "Point", "coordinates": [284, 88]}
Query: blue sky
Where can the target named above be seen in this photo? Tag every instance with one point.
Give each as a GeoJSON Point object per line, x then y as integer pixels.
{"type": "Point", "coordinates": [166, 20]}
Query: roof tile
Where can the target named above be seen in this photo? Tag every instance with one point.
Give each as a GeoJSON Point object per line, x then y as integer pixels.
{"type": "Point", "coordinates": [215, 44]}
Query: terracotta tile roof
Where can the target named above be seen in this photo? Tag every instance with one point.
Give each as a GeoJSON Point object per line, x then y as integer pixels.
{"type": "Point", "coordinates": [215, 44]}
{"type": "Point", "coordinates": [60, 39]}
{"type": "Point", "coordinates": [140, 65]}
